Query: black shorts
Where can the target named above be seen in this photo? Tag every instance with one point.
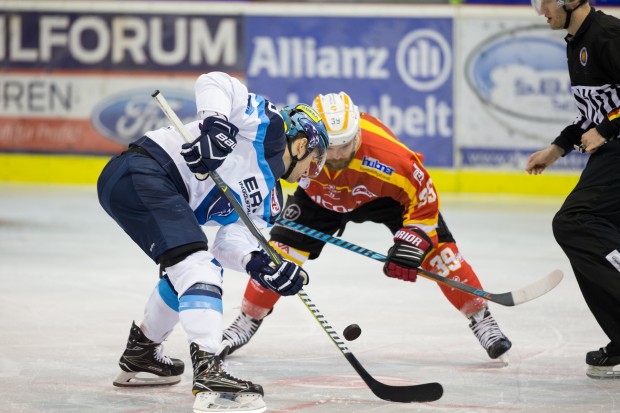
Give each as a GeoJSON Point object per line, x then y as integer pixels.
{"type": "Point", "coordinates": [303, 210]}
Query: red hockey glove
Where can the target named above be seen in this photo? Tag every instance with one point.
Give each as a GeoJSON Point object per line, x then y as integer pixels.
{"type": "Point", "coordinates": [410, 247]}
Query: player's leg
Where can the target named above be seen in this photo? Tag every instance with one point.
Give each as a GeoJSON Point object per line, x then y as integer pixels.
{"type": "Point", "coordinates": [197, 278]}
{"type": "Point", "coordinates": [146, 203]}
{"type": "Point", "coordinates": [258, 302]}
{"type": "Point", "coordinates": [446, 260]}
{"type": "Point", "coordinates": [136, 193]}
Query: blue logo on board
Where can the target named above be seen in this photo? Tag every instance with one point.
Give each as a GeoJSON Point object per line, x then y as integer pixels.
{"type": "Point", "coordinates": [126, 116]}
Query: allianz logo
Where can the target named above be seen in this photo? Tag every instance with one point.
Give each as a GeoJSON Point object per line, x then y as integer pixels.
{"type": "Point", "coordinates": [423, 59]}
{"type": "Point", "coordinates": [126, 116]}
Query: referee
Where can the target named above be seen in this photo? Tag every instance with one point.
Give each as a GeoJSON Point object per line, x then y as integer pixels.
{"type": "Point", "coordinates": [587, 226]}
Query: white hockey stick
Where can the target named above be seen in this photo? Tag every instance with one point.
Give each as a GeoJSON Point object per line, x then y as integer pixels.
{"type": "Point", "coordinates": [405, 394]}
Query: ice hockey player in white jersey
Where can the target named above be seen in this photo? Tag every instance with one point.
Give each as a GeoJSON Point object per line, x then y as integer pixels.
{"type": "Point", "coordinates": [156, 191]}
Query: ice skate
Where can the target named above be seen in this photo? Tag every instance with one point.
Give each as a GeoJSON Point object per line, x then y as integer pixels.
{"type": "Point", "coordinates": [487, 331]}
{"type": "Point", "coordinates": [602, 364]}
{"type": "Point", "coordinates": [239, 333]}
{"type": "Point", "coordinates": [218, 391]}
{"type": "Point", "coordinates": [143, 363]}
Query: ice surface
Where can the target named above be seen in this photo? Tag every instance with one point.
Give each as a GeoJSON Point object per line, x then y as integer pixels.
{"type": "Point", "coordinates": [72, 282]}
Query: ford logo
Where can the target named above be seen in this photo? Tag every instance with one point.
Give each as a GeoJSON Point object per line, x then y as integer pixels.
{"type": "Point", "coordinates": [126, 116]}
{"type": "Point", "coordinates": [521, 77]}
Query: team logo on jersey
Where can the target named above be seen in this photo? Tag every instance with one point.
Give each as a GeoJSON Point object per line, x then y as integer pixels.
{"type": "Point", "coordinates": [292, 212]}
{"type": "Point", "coordinates": [304, 182]}
{"type": "Point", "coordinates": [251, 194]}
{"type": "Point", "coordinates": [333, 192]}
{"type": "Point", "coordinates": [583, 56]}
{"type": "Point", "coordinates": [275, 202]}
{"type": "Point", "coordinates": [220, 208]}
{"type": "Point", "coordinates": [362, 190]}
{"type": "Point", "coordinates": [375, 165]}
{"type": "Point", "coordinates": [418, 174]}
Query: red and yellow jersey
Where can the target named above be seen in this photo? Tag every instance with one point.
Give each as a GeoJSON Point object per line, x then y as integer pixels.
{"type": "Point", "coordinates": [382, 167]}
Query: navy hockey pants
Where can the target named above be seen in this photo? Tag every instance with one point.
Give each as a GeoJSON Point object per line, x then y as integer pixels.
{"type": "Point", "coordinates": [140, 196]}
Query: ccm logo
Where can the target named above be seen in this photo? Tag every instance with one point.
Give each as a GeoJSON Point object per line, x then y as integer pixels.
{"type": "Point", "coordinates": [408, 237]}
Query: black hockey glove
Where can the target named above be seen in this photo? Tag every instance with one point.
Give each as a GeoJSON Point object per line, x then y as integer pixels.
{"type": "Point", "coordinates": [410, 247]}
{"type": "Point", "coordinates": [286, 278]}
{"type": "Point", "coordinates": [208, 151]}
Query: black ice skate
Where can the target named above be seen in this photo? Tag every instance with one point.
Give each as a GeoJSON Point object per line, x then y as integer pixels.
{"type": "Point", "coordinates": [143, 356]}
{"type": "Point", "coordinates": [603, 363]}
{"type": "Point", "coordinates": [218, 391]}
{"type": "Point", "coordinates": [487, 331]}
{"type": "Point", "coordinates": [239, 333]}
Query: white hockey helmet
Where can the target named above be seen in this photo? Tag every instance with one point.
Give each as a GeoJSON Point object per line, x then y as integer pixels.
{"type": "Point", "coordinates": [340, 116]}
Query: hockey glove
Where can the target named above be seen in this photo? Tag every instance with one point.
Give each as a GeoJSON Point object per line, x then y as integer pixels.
{"type": "Point", "coordinates": [410, 247]}
{"type": "Point", "coordinates": [287, 278]}
{"type": "Point", "coordinates": [208, 151]}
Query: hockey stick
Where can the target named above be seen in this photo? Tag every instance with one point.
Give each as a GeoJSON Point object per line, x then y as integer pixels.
{"type": "Point", "coordinates": [512, 298]}
{"type": "Point", "coordinates": [426, 392]}
{"type": "Point", "coordinates": [405, 394]}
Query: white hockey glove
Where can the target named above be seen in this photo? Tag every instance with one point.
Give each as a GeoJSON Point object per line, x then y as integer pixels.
{"type": "Point", "coordinates": [209, 150]}
{"type": "Point", "coordinates": [287, 278]}
{"type": "Point", "coordinates": [410, 247]}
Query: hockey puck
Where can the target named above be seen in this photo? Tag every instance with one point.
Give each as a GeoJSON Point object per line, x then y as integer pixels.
{"type": "Point", "coordinates": [352, 332]}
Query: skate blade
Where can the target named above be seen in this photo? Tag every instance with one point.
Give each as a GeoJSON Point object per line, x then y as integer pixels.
{"type": "Point", "coordinates": [215, 402]}
{"type": "Point", "coordinates": [504, 359]}
{"type": "Point", "coordinates": [603, 372]}
{"type": "Point", "coordinates": [141, 379]}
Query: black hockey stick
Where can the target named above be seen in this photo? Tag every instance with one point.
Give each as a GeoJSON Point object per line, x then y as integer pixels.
{"type": "Point", "coordinates": [511, 298]}
{"type": "Point", "coordinates": [427, 392]}
{"type": "Point", "coordinates": [404, 394]}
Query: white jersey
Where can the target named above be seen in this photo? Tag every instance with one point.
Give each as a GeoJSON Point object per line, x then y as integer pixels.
{"type": "Point", "coordinates": [251, 171]}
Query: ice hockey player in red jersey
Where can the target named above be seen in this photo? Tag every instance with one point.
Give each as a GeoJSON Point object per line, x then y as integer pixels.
{"type": "Point", "coordinates": [370, 176]}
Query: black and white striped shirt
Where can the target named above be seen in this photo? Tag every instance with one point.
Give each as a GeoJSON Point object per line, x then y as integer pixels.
{"type": "Point", "coordinates": [593, 55]}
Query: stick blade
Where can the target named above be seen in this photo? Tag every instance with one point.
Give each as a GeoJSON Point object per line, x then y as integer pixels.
{"type": "Point", "coordinates": [540, 287]}
{"type": "Point", "coordinates": [420, 393]}
{"type": "Point", "coordinates": [417, 393]}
